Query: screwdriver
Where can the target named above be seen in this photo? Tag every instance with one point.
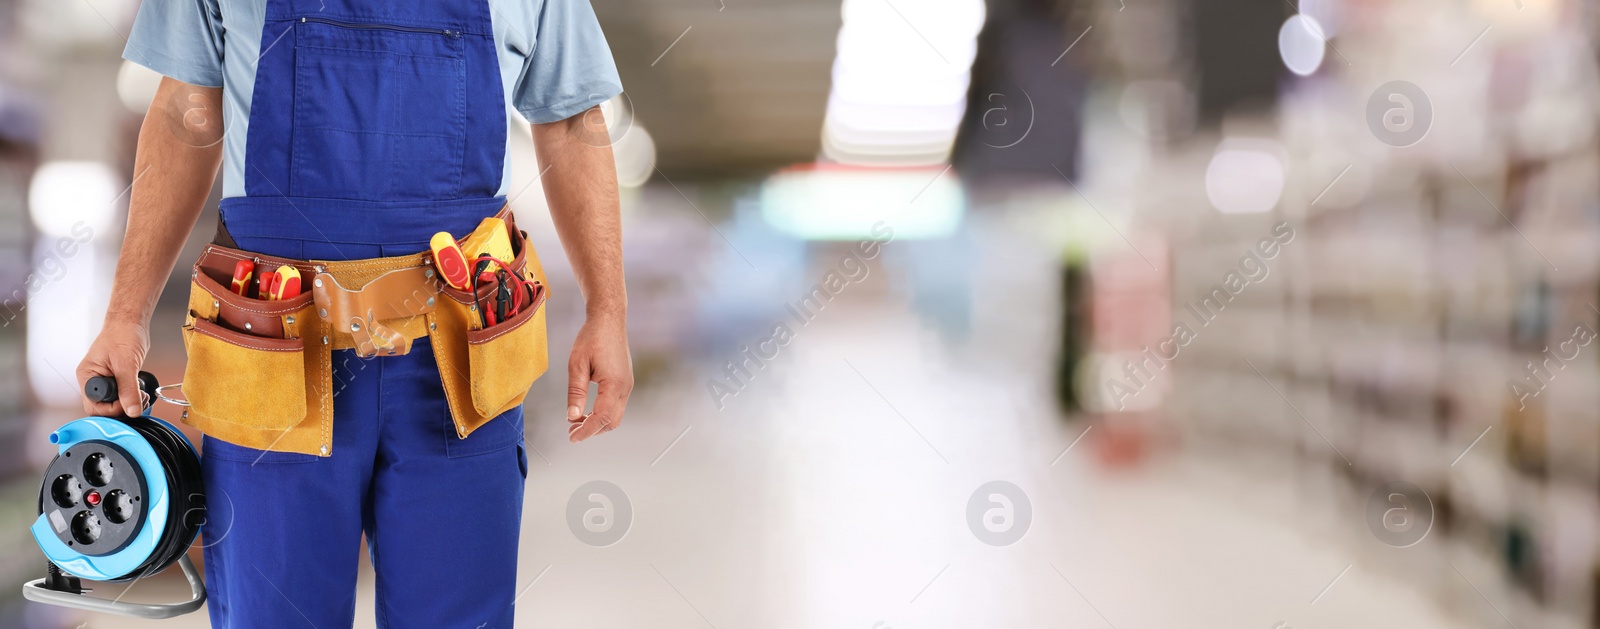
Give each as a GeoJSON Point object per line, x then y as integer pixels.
{"type": "Point", "coordinates": [241, 277]}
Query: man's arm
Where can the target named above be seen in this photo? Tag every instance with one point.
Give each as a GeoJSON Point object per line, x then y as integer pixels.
{"type": "Point", "coordinates": [581, 188]}
{"type": "Point", "coordinates": [175, 164]}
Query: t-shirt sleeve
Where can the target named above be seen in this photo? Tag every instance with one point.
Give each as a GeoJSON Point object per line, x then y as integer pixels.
{"type": "Point", "coordinates": [181, 39]}
{"type": "Point", "coordinates": [569, 68]}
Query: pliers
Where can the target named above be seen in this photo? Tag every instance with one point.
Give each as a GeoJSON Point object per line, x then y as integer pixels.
{"type": "Point", "coordinates": [510, 295]}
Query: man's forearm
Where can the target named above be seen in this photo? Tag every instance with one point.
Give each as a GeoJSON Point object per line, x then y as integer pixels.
{"type": "Point", "coordinates": [580, 183]}
{"type": "Point", "coordinates": [581, 188]}
{"type": "Point", "coordinates": [176, 162]}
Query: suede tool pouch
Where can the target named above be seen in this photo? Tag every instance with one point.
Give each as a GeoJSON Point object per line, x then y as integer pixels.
{"type": "Point", "coordinates": [247, 375]}
{"type": "Point", "coordinates": [506, 358]}
{"type": "Point", "coordinates": [488, 371]}
{"type": "Point", "coordinates": [237, 378]}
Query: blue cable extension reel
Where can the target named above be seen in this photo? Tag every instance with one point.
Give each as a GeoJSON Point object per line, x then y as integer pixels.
{"type": "Point", "coordinates": [122, 500]}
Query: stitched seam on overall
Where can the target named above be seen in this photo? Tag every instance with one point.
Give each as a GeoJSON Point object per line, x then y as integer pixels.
{"type": "Point", "coordinates": [445, 367]}
{"type": "Point", "coordinates": [388, 133]}
{"type": "Point", "coordinates": [294, 120]}
{"type": "Point", "coordinates": [378, 56]}
{"type": "Point", "coordinates": [461, 121]}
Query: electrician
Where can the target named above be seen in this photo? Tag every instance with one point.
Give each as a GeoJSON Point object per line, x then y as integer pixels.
{"type": "Point", "coordinates": [351, 131]}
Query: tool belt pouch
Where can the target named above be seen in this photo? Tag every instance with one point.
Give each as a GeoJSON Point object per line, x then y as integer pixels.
{"type": "Point", "coordinates": [488, 370]}
{"type": "Point", "coordinates": [257, 369]}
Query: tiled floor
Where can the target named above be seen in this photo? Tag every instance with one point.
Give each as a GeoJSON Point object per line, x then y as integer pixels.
{"type": "Point", "coordinates": [832, 491]}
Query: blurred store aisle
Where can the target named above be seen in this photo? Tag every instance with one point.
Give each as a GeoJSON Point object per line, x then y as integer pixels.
{"type": "Point", "coordinates": [833, 489]}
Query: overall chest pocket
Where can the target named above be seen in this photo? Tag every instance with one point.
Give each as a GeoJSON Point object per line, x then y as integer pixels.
{"type": "Point", "coordinates": [379, 111]}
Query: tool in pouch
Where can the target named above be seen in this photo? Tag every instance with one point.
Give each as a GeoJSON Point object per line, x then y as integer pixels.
{"type": "Point", "coordinates": [498, 292]}
{"type": "Point", "coordinates": [260, 371]}
{"type": "Point", "coordinates": [123, 499]}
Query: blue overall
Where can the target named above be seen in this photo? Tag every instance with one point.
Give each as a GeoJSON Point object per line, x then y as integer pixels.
{"type": "Point", "coordinates": [374, 124]}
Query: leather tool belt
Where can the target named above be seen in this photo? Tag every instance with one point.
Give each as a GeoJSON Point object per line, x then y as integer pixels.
{"type": "Point", "coordinates": [261, 373]}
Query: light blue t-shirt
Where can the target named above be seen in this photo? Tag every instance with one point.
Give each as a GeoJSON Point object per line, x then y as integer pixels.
{"type": "Point", "coordinates": [554, 61]}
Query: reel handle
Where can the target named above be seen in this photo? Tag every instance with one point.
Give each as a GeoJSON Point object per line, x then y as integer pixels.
{"type": "Point", "coordinates": [103, 389]}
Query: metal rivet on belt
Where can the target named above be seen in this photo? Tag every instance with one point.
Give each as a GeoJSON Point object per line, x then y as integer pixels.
{"type": "Point", "coordinates": [324, 340]}
{"type": "Point", "coordinates": [186, 413]}
{"type": "Point", "coordinates": [289, 319]}
{"type": "Point", "coordinates": [473, 307]}
{"type": "Point", "coordinates": [324, 450]}
{"type": "Point", "coordinates": [355, 325]}
{"type": "Point", "coordinates": [322, 311]}
{"type": "Point", "coordinates": [317, 282]}
{"type": "Point", "coordinates": [247, 326]}
{"type": "Point", "coordinates": [430, 301]}
{"type": "Point", "coordinates": [433, 326]}
{"type": "Point", "coordinates": [428, 273]}
{"type": "Point", "coordinates": [216, 304]}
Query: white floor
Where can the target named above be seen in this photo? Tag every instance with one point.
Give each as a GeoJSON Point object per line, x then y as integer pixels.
{"type": "Point", "coordinates": [889, 550]}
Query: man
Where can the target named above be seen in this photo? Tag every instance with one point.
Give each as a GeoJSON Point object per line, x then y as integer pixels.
{"type": "Point", "coordinates": [354, 129]}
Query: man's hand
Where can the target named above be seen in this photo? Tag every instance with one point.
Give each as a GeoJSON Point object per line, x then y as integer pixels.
{"type": "Point", "coordinates": [581, 186]}
{"type": "Point", "coordinates": [600, 355]}
{"type": "Point", "coordinates": [119, 351]}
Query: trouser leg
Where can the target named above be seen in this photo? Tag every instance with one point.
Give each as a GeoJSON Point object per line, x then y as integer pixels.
{"type": "Point", "coordinates": [446, 511]}
{"type": "Point", "coordinates": [283, 531]}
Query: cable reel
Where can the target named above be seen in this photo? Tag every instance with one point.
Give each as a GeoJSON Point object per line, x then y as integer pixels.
{"type": "Point", "coordinates": [122, 500]}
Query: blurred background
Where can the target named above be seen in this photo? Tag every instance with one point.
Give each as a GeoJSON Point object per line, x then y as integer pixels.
{"type": "Point", "coordinates": [994, 313]}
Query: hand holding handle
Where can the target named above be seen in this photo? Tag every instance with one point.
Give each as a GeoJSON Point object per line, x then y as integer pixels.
{"type": "Point", "coordinates": [104, 388]}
